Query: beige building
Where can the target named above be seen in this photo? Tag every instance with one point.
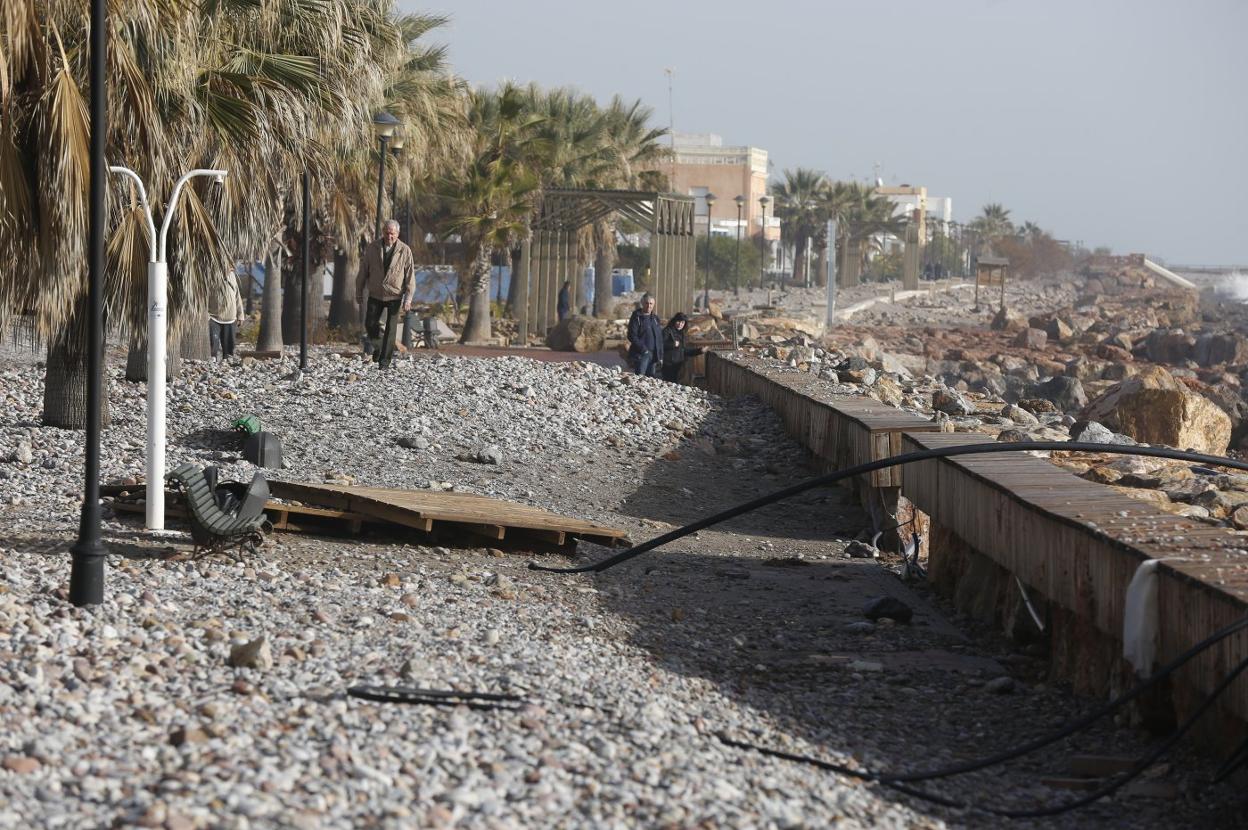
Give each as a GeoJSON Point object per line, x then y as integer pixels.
{"type": "Point", "coordinates": [702, 163]}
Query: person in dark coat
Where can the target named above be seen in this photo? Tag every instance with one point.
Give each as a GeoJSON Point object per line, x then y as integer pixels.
{"type": "Point", "coordinates": [564, 304]}
{"type": "Point", "coordinates": [645, 339]}
{"type": "Point", "coordinates": [675, 352]}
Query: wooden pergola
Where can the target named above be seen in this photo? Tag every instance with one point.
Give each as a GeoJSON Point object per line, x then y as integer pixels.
{"type": "Point", "coordinates": [990, 272]}
{"type": "Point", "coordinates": [549, 257]}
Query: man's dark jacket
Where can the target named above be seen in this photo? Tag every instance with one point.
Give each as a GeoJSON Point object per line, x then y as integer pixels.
{"type": "Point", "coordinates": [645, 334]}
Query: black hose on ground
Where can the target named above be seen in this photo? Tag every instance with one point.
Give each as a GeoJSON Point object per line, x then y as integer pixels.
{"type": "Point", "coordinates": [900, 781]}
{"type": "Point", "coordinates": [1065, 732]}
{"type": "Point", "coordinates": [884, 463]}
{"type": "Point", "coordinates": [1035, 812]}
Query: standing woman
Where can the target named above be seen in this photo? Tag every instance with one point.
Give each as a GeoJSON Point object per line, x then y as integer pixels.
{"type": "Point", "coordinates": [674, 349]}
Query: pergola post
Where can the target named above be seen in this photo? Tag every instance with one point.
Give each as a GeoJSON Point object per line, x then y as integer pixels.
{"type": "Point", "coordinates": [522, 289]}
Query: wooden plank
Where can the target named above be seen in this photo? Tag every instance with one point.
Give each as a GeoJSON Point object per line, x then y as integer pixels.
{"type": "Point", "coordinates": [554, 537]}
{"type": "Point", "coordinates": [495, 532]}
{"type": "Point", "coordinates": [419, 508]}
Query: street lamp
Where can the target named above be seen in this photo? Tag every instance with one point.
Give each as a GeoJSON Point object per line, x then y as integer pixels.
{"type": "Point", "coordinates": [763, 201]}
{"type": "Point", "coordinates": [157, 331]}
{"type": "Point", "coordinates": [86, 569]}
{"type": "Point", "coordinates": [736, 266]}
{"type": "Point", "coordinates": [706, 287]}
{"type": "Point", "coordinates": [384, 125]}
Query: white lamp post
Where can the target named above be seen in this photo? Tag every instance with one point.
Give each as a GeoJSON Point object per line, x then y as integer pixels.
{"type": "Point", "coordinates": [157, 330]}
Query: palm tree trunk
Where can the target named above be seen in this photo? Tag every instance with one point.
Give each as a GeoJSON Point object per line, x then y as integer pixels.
{"type": "Point", "coordinates": [513, 286]}
{"type": "Point", "coordinates": [136, 359]}
{"type": "Point", "coordinates": [65, 380]}
{"type": "Point", "coordinates": [290, 300]}
{"type": "Point", "coordinates": [270, 338]}
{"type": "Point", "coordinates": [194, 342]}
{"type": "Point", "coordinates": [477, 326]}
{"type": "Point", "coordinates": [799, 259]}
{"type": "Point", "coordinates": [343, 313]}
{"type": "Point", "coordinates": [604, 262]}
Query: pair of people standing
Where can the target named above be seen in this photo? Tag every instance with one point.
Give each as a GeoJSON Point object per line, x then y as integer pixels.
{"type": "Point", "coordinates": [387, 270]}
{"type": "Point", "coordinates": [653, 349]}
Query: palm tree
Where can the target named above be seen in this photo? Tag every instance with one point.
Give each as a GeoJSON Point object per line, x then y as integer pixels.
{"type": "Point", "coordinates": [229, 84]}
{"type": "Point", "coordinates": [992, 224]}
{"type": "Point", "coordinates": [431, 103]}
{"type": "Point", "coordinates": [633, 148]}
{"type": "Point", "coordinates": [489, 200]}
{"type": "Point", "coordinates": [797, 204]}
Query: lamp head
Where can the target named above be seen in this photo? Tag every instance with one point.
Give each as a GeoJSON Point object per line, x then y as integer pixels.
{"type": "Point", "coordinates": [764, 201]}
{"type": "Point", "coordinates": [740, 200]}
{"type": "Point", "coordinates": [710, 198]}
{"type": "Point", "coordinates": [384, 124]}
{"type": "Point", "coordinates": [219, 179]}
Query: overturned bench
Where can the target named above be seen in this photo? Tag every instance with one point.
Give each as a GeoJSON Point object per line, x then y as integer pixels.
{"type": "Point", "coordinates": [214, 529]}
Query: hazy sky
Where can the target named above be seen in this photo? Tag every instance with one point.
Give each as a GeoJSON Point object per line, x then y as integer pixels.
{"type": "Point", "coordinates": [1118, 123]}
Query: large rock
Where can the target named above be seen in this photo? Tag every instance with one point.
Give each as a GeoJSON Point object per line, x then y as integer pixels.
{"type": "Point", "coordinates": [1166, 346]}
{"type": "Point", "coordinates": [1059, 331]}
{"type": "Point", "coordinates": [951, 403]}
{"type": "Point", "coordinates": [1214, 349]}
{"type": "Point", "coordinates": [1154, 408]}
{"type": "Point", "coordinates": [1031, 338]}
{"type": "Point", "coordinates": [578, 334]}
{"type": "Point", "coordinates": [1007, 319]}
{"type": "Point", "coordinates": [1065, 392]}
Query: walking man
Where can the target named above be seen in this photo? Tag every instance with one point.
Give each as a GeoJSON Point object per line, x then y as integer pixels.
{"type": "Point", "coordinates": [645, 339]}
{"type": "Point", "coordinates": [387, 271]}
{"type": "Point", "coordinates": [225, 310]}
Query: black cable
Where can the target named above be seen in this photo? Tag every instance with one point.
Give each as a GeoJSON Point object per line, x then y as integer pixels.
{"type": "Point", "coordinates": [435, 697]}
{"type": "Point", "coordinates": [1041, 742]}
{"type": "Point", "coordinates": [895, 461]}
{"type": "Point", "coordinates": [1038, 812]}
{"type": "Point", "coordinates": [1233, 762]}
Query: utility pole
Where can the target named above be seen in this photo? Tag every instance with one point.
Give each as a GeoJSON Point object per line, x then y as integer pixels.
{"type": "Point", "coordinates": [671, 125]}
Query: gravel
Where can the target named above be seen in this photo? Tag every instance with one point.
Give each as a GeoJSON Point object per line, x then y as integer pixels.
{"type": "Point", "coordinates": [210, 693]}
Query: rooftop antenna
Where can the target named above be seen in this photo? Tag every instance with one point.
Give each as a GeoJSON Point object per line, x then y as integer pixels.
{"type": "Point", "coordinates": [670, 71]}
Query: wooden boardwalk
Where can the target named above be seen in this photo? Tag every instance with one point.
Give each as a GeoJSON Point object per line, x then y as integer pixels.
{"type": "Point", "coordinates": [310, 507]}
{"type": "Point", "coordinates": [424, 509]}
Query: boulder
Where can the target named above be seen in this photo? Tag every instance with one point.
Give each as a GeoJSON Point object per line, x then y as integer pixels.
{"type": "Point", "coordinates": [1166, 346]}
{"type": "Point", "coordinates": [1020, 416]}
{"type": "Point", "coordinates": [1093, 433]}
{"type": "Point", "coordinates": [1215, 349]}
{"type": "Point", "coordinates": [1031, 338]}
{"type": "Point", "coordinates": [578, 334]}
{"type": "Point", "coordinates": [1154, 408]}
{"type": "Point", "coordinates": [888, 391]}
{"type": "Point", "coordinates": [1066, 393]}
{"type": "Point", "coordinates": [1007, 319]}
{"type": "Point", "coordinates": [1059, 331]}
{"type": "Point", "coordinates": [951, 403]}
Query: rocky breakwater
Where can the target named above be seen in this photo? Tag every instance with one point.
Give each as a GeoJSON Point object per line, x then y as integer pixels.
{"type": "Point", "coordinates": [1017, 397]}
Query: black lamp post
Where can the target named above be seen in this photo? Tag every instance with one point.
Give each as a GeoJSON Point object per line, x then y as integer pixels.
{"type": "Point", "coordinates": [763, 201]}
{"type": "Point", "coordinates": [86, 575]}
{"type": "Point", "coordinates": [304, 254]}
{"type": "Point", "coordinates": [736, 266]}
{"type": "Point", "coordinates": [384, 125]}
{"type": "Point", "coordinates": [706, 287]}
